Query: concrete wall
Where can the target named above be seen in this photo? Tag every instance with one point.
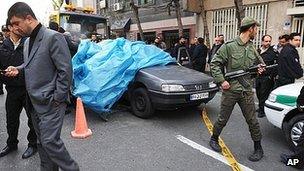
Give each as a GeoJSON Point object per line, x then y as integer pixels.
{"type": "Point", "coordinates": [218, 4]}
{"type": "Point", "coordinates": [170, 23]}
{"type": "Point", "coordinates": [163, 25]}
{"type": "Point", "coordinates": [277, 19]}
{"type": "Point", "coordinates": [199, 26]}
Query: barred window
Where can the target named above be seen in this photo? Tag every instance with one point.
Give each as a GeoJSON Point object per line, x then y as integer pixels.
{"type": "Point", "coordinates": [145, 2]}
{"type": "Point", "coordinates": [224, 22]}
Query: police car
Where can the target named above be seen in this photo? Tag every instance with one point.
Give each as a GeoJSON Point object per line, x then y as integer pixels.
{"type": "Point", "coordinates": [282, 112]}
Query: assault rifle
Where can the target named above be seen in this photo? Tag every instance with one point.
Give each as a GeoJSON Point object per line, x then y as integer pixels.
{"type": "Point", "coordinates": [253, 70]}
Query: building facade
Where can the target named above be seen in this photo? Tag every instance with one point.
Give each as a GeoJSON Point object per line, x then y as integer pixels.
{"type": "Point", "coordinates": [277, 17]}
{"type": "Point", "coordinates": [154, 17]}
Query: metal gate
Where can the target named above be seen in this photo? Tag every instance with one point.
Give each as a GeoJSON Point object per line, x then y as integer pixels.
{"type": "Point", "coordinates": [224, 21]}
{"type": "Point", "coordinates": [298, 26]}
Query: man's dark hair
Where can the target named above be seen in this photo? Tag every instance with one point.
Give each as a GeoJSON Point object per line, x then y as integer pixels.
{"type": "Point", "coordinates": [266, 35]}
{"type": "Point", "coordinates": [54, 26]}
{"type": "Point", "coordinates": [292, 35]}
{"type": "Point", "coordinates": [8, 23]}
{"type": "Point", "coordinates": [285, 36]}
{"type": "Point", "coordinates": [20, 10]}
{"type": "Point", "coordinates": [200, 40]}
{"type": "Point", "coordinates": [4, 28]}
{"type": "Point", "coordinates": [246, 28]}
{"type": "Point", "coordinates": [220, 35]}
{"type": "Point", "coordinates": [61, 30]}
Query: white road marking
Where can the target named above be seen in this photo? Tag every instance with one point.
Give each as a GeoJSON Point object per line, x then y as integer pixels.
{"type": "Point", "coordinates": [207, 151]}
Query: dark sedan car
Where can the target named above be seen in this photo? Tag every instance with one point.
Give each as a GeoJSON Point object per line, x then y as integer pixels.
{"type": "Point", "coordinates": [169, 87]}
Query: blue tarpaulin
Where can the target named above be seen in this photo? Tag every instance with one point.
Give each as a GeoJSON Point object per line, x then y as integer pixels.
{"type": "Point", "coordinates": [103, 71]}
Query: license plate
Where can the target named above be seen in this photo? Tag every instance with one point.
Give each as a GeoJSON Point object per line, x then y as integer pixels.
{"type": "Point", "coordinates": [199, 96]}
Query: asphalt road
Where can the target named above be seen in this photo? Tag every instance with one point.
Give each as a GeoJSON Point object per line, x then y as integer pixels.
{"type": "Point", "coordinates": [126, 142]}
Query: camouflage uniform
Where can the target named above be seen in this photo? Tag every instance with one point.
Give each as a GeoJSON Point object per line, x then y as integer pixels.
{"type": "Point", "coordinates": [236, 55]}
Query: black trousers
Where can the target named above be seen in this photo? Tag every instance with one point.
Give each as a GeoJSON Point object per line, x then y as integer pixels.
{"type": "Point", "coordinates": [264, 85]}
{"type": "Point", "coordinates": [281, 81]}
{"type": "Point", "coordinates": [1, 86]}
{"type": "Point", "coordinates": [51, 149]}
{"type": "Point", "coordinates": [15, 102]}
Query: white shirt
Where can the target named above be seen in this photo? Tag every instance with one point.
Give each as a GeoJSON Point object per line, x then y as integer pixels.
{"type": "Point", "coordinates": [16, 44]}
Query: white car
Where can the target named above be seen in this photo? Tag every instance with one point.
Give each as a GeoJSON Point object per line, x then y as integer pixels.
{"type": "Point", "coordinates": [281, 110]}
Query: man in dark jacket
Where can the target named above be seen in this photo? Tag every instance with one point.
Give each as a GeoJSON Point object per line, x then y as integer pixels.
{"type": "Point", "coordinates": [11, 54]}
{"type": "Point", "coordinates": [73, 46]}
{"type": "Point", "coordinates": [283, 40]}
{"type": "Point", "coordinates": [159, 43]}
{"type": "Point", "coordinates": [265, 81]}
{"type": "Point", "coordinates": [6, 35]}
{"type": "Point", "coordinates": [299, 151]}
{"type": "Point", "coordinates": [199, 56]}
{"type": "Point", "coordinates": [181, 43]}
{"type": "Point", "coordinates": [192, 46]}
{"type": "Point", "coordinates": [218, 42]}
{"type": "Point", "coordinates": [289, 67]}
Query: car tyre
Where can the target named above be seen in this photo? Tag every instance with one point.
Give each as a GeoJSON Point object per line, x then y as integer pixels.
{"type": "Point", "coordinates": [141, 103]}
{"type": "Point", "coordinates": [293, 125]}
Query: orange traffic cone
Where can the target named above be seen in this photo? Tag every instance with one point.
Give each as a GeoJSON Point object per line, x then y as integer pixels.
{"type": "Point", "coordinates": [81, 127]}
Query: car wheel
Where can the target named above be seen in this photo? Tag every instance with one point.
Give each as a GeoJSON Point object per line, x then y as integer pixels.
{"type": "Point", "coordinates": [293, 130]}
{"type": "Point", "coordinates": [141, 104]}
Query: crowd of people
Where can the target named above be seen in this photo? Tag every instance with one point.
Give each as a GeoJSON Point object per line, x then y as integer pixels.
{"type": "Point", "coordinates": [37, 74]}
{"type": "Point", "coordinates": [196, 51]}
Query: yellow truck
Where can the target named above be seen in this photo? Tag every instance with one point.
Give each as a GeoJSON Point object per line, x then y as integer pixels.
{"type": "Point", "coordinates": [80, 22]}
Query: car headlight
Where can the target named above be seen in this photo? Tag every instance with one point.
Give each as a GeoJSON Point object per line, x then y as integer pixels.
{"type": "Point", "coordinates": [172, 88]}
{"type": "Point", "coordinates": [212, 85]}
{"type": "Point", "coordinates": [272, 98]}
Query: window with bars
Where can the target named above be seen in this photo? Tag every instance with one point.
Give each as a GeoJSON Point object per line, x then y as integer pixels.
{"type": "Point", "coordinates": [224, 22]}
{"type": "Point", "coordinates": [114, 1]}
{"type": "Point", "coordinates": [145, 2]}
{"type": "Point", "coordinates": [298, 3]}
{"type": "Point", "coordinates": [127, 5]}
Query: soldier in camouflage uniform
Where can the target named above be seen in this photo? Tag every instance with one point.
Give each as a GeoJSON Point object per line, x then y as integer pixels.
{"type": "Point", "coordinates": [235, 55]}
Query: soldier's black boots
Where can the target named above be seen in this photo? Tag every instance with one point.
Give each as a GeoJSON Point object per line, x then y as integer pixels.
{"type": "Point", "coordinates": [261, 112]}
{"type": "Point", "coordinates": [258, 153]}
{"type": "Point", "coordinates": [214, 144]}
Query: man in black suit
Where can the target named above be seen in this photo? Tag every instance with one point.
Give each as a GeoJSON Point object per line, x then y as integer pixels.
{"type": "Point", "coordinates": [265, 81]}
{"type": "Point", "coordinates": [48, 75]}
{"type": "Point", "coordinates": [200, 55]}
{"type": "Point", "coordinates": [289, 67]}
{"type": "Point", "coordinates": [11, 54]}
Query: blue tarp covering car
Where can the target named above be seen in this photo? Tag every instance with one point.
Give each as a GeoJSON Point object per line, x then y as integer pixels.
{"type": "Point", "coordinates": [103, 71]}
